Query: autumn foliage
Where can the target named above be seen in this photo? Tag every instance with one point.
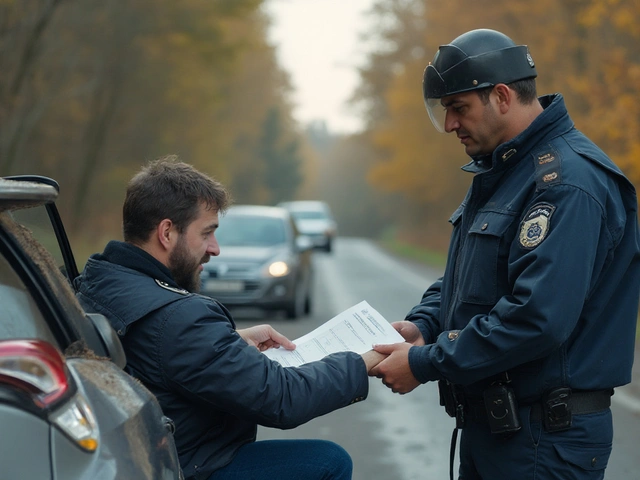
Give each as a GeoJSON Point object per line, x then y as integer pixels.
{"type": "Point", "coordinates": [586, 49]}
{"type": "Point", "coordinates": [92, 89]}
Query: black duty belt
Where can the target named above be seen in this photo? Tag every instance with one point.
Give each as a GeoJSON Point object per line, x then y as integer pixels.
{"type": "Point", "coordinates": [580, 403]}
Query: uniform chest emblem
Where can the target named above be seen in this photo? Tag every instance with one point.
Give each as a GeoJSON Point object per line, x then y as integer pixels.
{"type": "Point", "coordinates": [535, 225]}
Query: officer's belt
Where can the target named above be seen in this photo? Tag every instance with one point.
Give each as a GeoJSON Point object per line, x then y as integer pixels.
{"type": "Point", "coordinates": [580, 403]}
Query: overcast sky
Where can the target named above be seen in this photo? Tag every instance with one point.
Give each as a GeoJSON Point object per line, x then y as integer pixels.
{"type": "Point", "coordinates": [318, 44]}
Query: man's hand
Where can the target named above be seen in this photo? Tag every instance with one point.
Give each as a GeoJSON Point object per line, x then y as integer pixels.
{"type": "Point", "coordinates": [410, 332]}
{"type": "Point", "coordinates": [372, 358]}
{"type": "Point", "coordinates": [264, 337]}
{"type": "Point", "coordinates": [394, 370]}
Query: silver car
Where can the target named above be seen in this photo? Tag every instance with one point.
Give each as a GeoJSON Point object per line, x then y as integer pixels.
{"type": "Point", "coordinates": [264, 262]}
{"type": "Point", "coordinates": [67, 408]}
{"type": "Point", "coordinates": [314, 219]}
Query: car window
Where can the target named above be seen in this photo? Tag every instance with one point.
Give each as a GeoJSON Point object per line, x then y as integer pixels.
{"type": "Point", "coordinates": [309, 215]}
{"type": "Point", "coordinates": [57, 294]}
{"type": "Point", "coordinates": [20, 317]}
{"type": "Point", "coordinates": [254, 231]}
{"type": "Point", "coordinates": [36, 220]}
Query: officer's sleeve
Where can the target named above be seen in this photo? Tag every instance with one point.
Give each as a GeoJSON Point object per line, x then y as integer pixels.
{"type": "Point", "coordinates": [426, 314]}
{"type": "Point", "coordinates": [552, 275]}
{"type": "Point", "coordinates": [206, 359]}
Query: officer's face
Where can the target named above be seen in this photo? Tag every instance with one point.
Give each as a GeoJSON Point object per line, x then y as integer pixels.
{"type": "Point", "coordinates": [193, 248]}
{"type": "Point", "coordinates": [476, 124]}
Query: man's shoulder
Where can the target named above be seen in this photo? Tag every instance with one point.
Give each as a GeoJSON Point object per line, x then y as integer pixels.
{"type": "Point", "coordinates": [195, 303]}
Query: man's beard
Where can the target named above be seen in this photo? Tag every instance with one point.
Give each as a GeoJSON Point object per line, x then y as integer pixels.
{"type": "Point", "coordinates": [184, 268]}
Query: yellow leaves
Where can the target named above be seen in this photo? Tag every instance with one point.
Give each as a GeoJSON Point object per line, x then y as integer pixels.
{"type": "Point", "coordinates": [594, 14]}
{"type": "Point", "coordinates": [588, 50]}
{"type": "Point", "coordinates": [415, 162]}
{"type": "Point", "coordinates": [113, 84]}
{"type": "Point", "coordinates": [623, 15]}
{"type": "Point", "coordinates": [629, 163]}
{"type": "Point", "coordinates": [179, 39]}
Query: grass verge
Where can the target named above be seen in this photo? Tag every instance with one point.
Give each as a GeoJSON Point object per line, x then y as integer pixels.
{"type": "Point", "coordinates": [412, 252]}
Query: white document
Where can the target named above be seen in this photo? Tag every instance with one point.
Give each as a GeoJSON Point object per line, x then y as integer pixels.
{"type": "Point", "coordinates": [356, 329]}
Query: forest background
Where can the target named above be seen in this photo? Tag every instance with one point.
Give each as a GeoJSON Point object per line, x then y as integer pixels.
{"type": "Point", "coordinates": [91, 90]}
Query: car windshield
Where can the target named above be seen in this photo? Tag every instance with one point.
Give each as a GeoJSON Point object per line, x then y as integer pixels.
{"type": "Point", "coordinates": [250, 230]}
{"type": "Point", "coordinates": [309, 215]}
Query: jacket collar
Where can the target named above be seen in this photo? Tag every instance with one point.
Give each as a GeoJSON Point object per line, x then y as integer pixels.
{"type": "Point", "coordinates": [129, 256]}
{"type": "Point", "coordinates": [553, 121]}
{"type": "Point", "coordinates": [104, 283]}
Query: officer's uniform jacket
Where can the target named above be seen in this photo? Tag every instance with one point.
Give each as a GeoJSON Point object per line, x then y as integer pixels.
{"type": "Point", "coordinates": [185, 349]}
{"type": "Point", "coordinates": [543, 271]}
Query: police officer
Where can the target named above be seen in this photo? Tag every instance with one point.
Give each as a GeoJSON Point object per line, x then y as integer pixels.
{"type": "Point", "coordinates": [532, 325]}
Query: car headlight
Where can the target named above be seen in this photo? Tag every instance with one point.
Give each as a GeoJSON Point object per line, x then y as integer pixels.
{"type": "Point", "coordinates": [278, 269]}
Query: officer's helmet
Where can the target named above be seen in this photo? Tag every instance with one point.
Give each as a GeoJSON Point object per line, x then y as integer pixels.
{"type": "Point", "coordinates": [476, 59]}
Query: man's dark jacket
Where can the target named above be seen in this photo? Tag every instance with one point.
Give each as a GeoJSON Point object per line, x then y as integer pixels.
{"type": "Point", "coordinates": [185, 349]}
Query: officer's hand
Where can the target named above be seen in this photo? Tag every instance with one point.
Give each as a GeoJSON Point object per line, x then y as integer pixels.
{"type": "Point", "coordinates": [264, 337]}
{"type": "Point", "coordinates": [410, 332]}
{"type": "Point", "coordinates": [394, 370]}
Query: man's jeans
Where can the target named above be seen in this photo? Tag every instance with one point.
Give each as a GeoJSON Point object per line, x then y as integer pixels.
{"type": "Point", "coordinates": [288, 460]}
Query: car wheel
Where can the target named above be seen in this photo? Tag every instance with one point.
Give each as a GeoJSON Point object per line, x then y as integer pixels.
{"type": "Point", "coordinates": [308, 303]}
{"type": "Point", "coordinates": [296, 307]}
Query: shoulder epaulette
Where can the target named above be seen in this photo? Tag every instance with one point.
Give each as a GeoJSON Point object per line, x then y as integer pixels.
{"type": "Point", "coordinates": [166, 286]}
{"type": "Point", "coordinates": [548, 168]}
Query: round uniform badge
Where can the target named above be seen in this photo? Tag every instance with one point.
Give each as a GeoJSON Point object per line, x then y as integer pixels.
{"type": "Point", "coordinates": [535, 225]}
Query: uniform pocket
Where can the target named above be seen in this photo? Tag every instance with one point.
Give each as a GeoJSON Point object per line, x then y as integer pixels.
{"type": "Point", "coordinates": [483, 259]}
{"type": "Point", "coordinates": [587, 457]}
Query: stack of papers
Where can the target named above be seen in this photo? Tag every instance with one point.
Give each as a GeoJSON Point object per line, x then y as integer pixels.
{"type": "Point", "coordinates": [356, 329]}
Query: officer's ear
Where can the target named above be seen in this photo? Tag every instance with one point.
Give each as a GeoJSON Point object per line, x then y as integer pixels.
{"type": "Point", "coordinates": [504, 97]}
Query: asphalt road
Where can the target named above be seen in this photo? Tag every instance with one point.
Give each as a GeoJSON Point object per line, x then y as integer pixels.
{"type": "Point", "coordinates": [404, 437]}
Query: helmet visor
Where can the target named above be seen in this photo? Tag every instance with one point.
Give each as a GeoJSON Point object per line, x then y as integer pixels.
{"type": "Point", "coordinates": [433, 89]}
{"type": "Point", "coordinates": [437, 113]}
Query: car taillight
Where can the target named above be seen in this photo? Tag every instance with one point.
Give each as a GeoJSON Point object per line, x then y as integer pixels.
{"type": "Point", "coordinates": [38, 369]}
{"type": "Point", "coordinates": [35, 367]}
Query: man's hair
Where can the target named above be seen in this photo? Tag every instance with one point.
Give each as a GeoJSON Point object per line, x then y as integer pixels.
{"type": "Point", "coordinates": [525, 89]}
{"type": "Point", "coordinates": [168, 188]}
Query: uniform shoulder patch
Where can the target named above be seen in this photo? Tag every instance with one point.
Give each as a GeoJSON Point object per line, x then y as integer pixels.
{"type": "Point", "coordinates": [535, 225]}
{"type": "Point", "coordinates": [166, 286]}
{"type": "Point", "coordinates": [548, 167]}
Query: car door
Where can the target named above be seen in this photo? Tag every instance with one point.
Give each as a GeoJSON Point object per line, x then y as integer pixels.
{"type": "Point", "coordinates": [79, 415]}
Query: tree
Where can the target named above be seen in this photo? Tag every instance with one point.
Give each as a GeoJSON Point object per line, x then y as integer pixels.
{"type": "Point", "coordinates": [282, 172]}
{"type": "Point", "coordinates": [91, 90]}
{"type": "Point", "coordinates": [589, 56]}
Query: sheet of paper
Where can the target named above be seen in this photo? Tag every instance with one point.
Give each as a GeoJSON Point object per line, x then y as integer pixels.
{"type": "Point", "coordinates": [356, 329]}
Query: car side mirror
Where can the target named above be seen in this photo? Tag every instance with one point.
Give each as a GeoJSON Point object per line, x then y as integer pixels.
{"type": "Point", "coordinates": [303, 243]}
{"type": "Point", "coordinates": [109, 339]}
